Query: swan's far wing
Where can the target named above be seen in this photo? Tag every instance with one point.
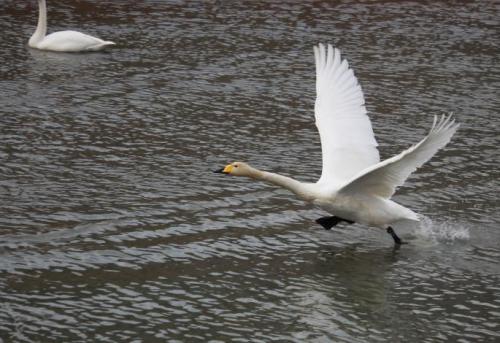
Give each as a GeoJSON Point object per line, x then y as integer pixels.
{"type": "Point", "coordinates": [383, 178]}
{"type": "Point", "coordinates": [347, 139]}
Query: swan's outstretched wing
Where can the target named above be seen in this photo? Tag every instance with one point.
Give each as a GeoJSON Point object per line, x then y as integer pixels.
{"type": "Point", "coordinates": [383, 178]}
{"type": "Point", "coordinates": [347, 139]}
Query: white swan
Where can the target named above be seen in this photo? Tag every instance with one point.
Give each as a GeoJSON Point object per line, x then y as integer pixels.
{"type": "Point", "coordinates": [354, 185]}
{"type": "Point", "coordinates": [67, 41]}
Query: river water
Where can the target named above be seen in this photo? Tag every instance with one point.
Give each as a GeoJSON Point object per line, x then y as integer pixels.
{"type": "Point", "coordinates": [113, 227]}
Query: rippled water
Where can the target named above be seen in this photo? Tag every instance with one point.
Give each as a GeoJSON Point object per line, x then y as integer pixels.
{"type": "Point", "coordinates": [114, 229]}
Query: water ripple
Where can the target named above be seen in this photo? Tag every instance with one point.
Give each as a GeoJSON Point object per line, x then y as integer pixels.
{"type": "Point", "coordinates": [113, 227]}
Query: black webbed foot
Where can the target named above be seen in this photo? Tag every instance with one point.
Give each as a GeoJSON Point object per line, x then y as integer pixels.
{"type": "Point", "coordinates": [329, 222]}
{"type": "Point", "coordinates": [397, 240]}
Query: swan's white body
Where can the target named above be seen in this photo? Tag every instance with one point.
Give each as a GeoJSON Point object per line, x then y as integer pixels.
{"type": "Point", "coordinates": [64, 41]}
{"type": "Point", "coordinates": [354, 184]}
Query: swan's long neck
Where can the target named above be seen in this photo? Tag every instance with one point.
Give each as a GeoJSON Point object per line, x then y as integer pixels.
{"type": "Point", "coordinates": [41, 29]}
{"type": "Point", "coordinates": [279, 180]}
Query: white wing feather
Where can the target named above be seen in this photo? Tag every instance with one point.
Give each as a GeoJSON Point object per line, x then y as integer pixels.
{"type": "Point", "coordinates": [347, 139]}
{"type": "Point", "coordinates": [383, 178]}
{"type": "Point", "coordinates": [71, 41]}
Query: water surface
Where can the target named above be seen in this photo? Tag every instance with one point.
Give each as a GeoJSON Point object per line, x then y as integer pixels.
{"type": "Point", "coordinates": [113, 227]}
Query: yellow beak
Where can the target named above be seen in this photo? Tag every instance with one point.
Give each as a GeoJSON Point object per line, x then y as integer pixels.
{"type": "Point", "coordinates": [228, 169]}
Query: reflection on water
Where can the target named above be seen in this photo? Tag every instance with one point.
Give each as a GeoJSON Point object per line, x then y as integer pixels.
{"type": "Point", "coordinates": [113, 227]}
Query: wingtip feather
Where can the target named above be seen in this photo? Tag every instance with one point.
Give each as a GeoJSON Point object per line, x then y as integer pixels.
{"type": "Point", "coordinates": [329, 57]}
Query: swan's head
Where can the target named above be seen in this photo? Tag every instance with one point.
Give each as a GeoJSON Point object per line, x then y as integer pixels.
{"type": "Point", "coordinates": [237, 169]}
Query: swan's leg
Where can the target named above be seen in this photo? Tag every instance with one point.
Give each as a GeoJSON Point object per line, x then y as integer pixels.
{"type": "Point", "coordinates": [329, 222]}
{"type": "Point", "coordinates": [397, 240]}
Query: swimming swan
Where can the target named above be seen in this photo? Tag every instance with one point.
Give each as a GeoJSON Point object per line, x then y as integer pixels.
{"type": "Point", "coordinates": [67, 41]}
{"type": "Point", "coordinates": [354, 185]}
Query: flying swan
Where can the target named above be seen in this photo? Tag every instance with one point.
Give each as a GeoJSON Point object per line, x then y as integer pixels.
{"type": "Point", "coordinates": [354, 185]}
{"type": "Point", "coordinates": [65, 41]}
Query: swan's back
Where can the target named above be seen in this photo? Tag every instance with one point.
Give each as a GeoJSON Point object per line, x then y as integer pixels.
{"type": "Point", "coordinates": [71, 41]}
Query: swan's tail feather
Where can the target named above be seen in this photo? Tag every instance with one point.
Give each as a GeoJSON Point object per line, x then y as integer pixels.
{"type": "Point", "coordinates": [101, 45]}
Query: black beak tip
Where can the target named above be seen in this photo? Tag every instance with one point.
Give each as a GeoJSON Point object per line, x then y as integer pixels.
{"type": "Point", "coordinates": [219, 171]}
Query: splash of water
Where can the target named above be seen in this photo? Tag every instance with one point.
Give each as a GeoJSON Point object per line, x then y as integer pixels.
{"type": "Point", "coordinates": [437, 231]}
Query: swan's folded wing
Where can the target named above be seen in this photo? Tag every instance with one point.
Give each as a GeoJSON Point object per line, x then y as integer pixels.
{"type": "Point", "coordinates": [347, 139]}
{"type": "Point", "coordinates": [383, 178]}
{"type": "Point", "coordinates": [70, 41]}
